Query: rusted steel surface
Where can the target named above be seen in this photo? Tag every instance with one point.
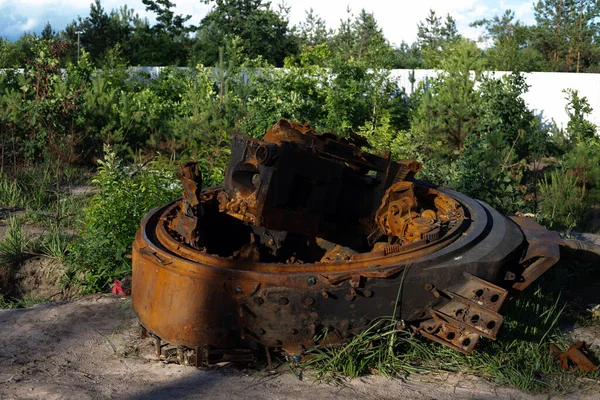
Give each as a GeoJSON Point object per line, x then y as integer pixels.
{"type": "Point", "coordinates": [543, 251]}
{"type": "Point", "coordinates": [575, 357]}
{"type": "Point", "coordinates": [187, 222]}
{"type": "Point", "coordinates": [310, 233]}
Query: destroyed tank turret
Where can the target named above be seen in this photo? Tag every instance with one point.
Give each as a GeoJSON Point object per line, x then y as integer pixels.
{"type": "Point", "coordinates": [309, 233]}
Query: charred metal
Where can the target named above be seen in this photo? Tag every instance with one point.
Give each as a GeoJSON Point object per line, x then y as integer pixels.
{"type": "Point", "coordinates": [310, 233]}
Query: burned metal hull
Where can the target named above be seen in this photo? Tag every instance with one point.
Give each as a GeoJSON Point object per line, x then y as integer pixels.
{"type": "Point", "coordinates": [192, 299]}
{"type": "Point", "coordinates": [310, 235]}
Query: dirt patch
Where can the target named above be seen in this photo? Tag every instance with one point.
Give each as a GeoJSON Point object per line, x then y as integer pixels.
{"type": "Point", "coordinates": [38, 276]}
{"type": "Point", "coordinates": [35, 278]}
{"type": "Point", "coordinates": [91, 349]}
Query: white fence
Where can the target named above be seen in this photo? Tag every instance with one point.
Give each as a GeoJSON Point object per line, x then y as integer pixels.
{"type": "Point", "coordinates": [545, 94]}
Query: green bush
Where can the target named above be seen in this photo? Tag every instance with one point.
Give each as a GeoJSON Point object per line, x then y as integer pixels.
{"type": "Point", "coordinates": [114, 215]}
{"type": "Point", "coordinates": [506, 136]}
{"type": "Point", "coordinates": [584, 163]}
{"type": "Point", "coordinates": [570, 193]}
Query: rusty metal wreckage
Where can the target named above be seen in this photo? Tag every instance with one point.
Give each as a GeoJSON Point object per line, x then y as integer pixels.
{"type": "Point", "coordinates": [309, 233]}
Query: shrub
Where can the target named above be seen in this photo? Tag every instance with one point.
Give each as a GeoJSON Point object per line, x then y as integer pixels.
{"type": "Point", "coordinates": [583, 162]}
{"type": "Point", "coordinates": [506, 136]}
{"type": "Point", "coordinates": [113, 216]}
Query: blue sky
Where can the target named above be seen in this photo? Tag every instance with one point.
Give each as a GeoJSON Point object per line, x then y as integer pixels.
{"type": "Point", "coordinates": [397, 18]}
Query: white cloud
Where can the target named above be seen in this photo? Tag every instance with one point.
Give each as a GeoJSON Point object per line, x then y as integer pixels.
{"type": "Point", "coordinates": [30, 24]}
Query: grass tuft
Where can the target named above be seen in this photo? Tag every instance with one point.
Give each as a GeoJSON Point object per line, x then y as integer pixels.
{"type": "Point", "coordinates": [10, 193]}
{"type": "Point", "coordinates": [28, 300]}
{"type": "Point", "coordinates": [55, 245]}
{"type": "Point", "coordinates": [14, 247]}
{"type": "Point", "coordinates": [520, 357]}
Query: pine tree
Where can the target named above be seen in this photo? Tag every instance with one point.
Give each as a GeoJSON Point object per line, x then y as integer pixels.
{"type": "Point", "coordinates": [433, 37]}
{"type": "Point", "coordinates": [313, 30]}
{"type": "Point", "coordinates": [510, 41]}
{"type": "Point", "coordinates": [566, 33]}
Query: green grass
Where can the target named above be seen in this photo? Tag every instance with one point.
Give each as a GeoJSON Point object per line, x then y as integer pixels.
{"type": "Point", "coordinates": [520, 357]}
{"type": "Point", "coordinates": [44, 192]}
{"type": "Point", "coordinates": [15, 246]}
{"type": "Point", "coordinates": [28, 300]}
{"type": "Point", "coordinates": [54, 245]}
{"type": "Point", "coordinates": [10, 193]}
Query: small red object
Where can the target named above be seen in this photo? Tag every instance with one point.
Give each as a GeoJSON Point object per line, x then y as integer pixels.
{"type": "Point", "coordinates": [117, 289]}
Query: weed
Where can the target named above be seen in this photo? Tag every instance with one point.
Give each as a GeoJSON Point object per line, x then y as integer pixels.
{"type": "Point", "coordinates": [55, 245]}
{"type": "Point", "coordinates": [10, 193]}
{"type": "Point", "coordinates": [5, 303]}
{"type": "Point", "coordinates": [15, 247]}
{"type": "Point", "coordinates": [374, 349]}
{"type": "Point", "coordinates": [30, 300]}
{"type": "Point", "coordinates": [26, 301]}
{"type": "Point", "coordinates": [562, 199]}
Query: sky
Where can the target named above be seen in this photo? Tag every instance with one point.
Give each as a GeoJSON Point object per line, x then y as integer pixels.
{"type": "Point", "coordinates": [398, 18]}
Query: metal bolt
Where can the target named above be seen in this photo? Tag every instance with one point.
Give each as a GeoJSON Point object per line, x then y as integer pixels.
{"type": "Point", "coordinates": [238, 289]}
{"type": "Point", "coordinates": [311, 281]}
{"type": "Point", "coordinates": [324, 293]}
{"type": "Point", "coordinates": [355, 281]}
{"type": "Point", "coordinates": [428, 287]}
{"type": "Point", "coordinates": [368, 293]}
{"type": "Point", "coordinates": [309, 301]}
{"type": "Point", "coordinates": [143, 333]}
{"type": "Point", "coordinates": [157, 346]}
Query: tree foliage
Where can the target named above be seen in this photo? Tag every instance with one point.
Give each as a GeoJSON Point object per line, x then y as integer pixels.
{"type": "Point", "coordinates": [434, 36]}
{"type": "Point", "coordinates": [510, 48]}
{"type": "Point", "coordinates": [471, 129]}
{"type": "Point", "coordinates": [444, 112]}
{"type": "Point", "coordinates": [567, 34]}
{"type": "Point", "coordinates": [263, 31]}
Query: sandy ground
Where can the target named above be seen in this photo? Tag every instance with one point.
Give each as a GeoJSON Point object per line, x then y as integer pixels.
{"type": "Point", "coordinates": [85, 350]}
